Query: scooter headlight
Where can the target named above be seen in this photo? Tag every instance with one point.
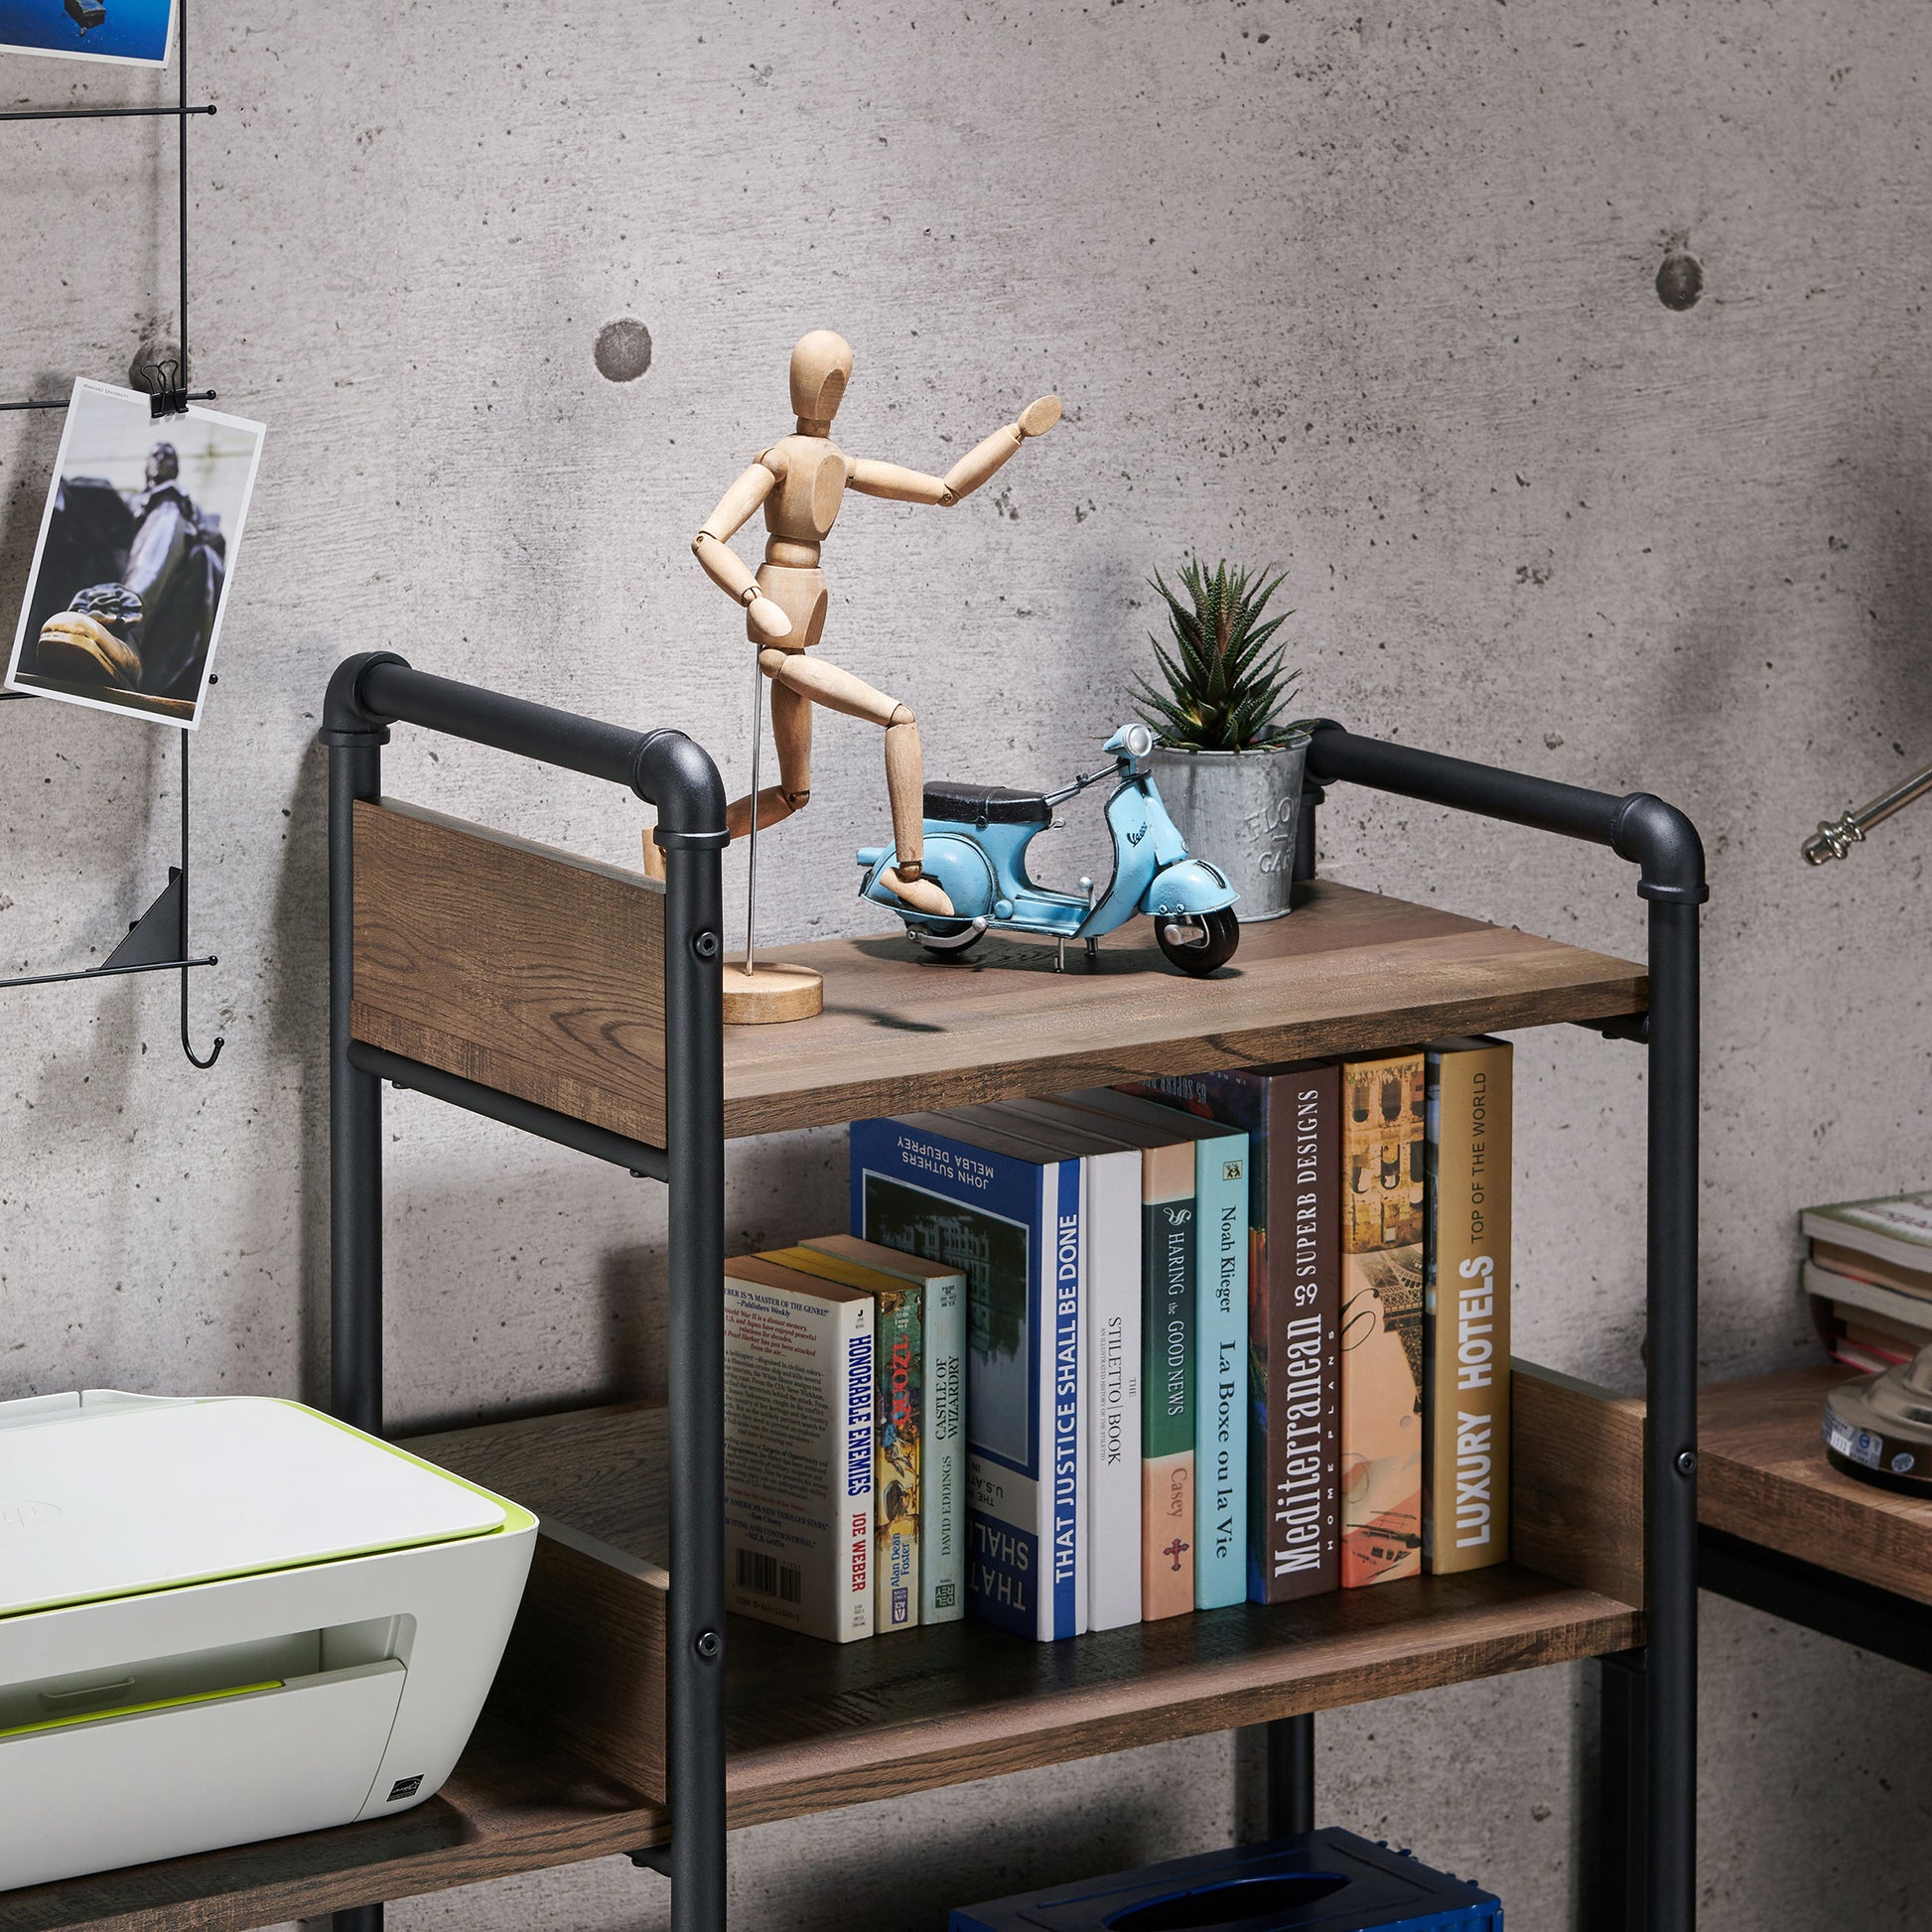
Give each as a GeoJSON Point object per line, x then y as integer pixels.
{"type": "Point", "coordinates": [1137, 742]}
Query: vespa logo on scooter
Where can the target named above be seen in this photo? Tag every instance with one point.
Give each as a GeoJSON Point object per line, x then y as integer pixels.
{"type": "Point", "coordinates": [1137, 833]}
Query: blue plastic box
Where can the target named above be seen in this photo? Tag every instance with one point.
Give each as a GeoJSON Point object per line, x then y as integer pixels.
{"type": "Point", "coordinates": [1324, 1881]}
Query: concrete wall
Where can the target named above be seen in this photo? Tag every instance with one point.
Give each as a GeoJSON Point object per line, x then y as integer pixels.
{"type": "Point", "coordinates": [1367, 293]}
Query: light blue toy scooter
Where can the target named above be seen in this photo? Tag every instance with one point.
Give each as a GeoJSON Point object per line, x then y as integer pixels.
{"type": "Point", "coordinates": [976, 839]}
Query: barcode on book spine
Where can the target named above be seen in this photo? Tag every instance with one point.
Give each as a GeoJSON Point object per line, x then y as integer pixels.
{"type": "Point", "coordinates": [766, 1575]}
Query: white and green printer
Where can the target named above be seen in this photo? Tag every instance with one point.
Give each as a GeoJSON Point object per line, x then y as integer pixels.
{"type": "Point", "coordinates": [228, 1619]}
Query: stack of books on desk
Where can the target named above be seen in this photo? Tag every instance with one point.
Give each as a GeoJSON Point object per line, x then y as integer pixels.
{"type": "Point", "coordinates": [1868, 1272]}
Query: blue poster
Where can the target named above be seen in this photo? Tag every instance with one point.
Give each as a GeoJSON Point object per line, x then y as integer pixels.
{"type": "Point", "coordinates": [139, 30]}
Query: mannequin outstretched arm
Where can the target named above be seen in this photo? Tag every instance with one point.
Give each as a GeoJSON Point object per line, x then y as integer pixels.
{"type": "Point", "coordinates": [871, 478]}
{"type": "Point", "coordinates": [723, 565]}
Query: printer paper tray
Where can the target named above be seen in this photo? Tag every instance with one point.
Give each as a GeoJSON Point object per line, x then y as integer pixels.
{"type": "Point", "coordinates": [157, 1784]}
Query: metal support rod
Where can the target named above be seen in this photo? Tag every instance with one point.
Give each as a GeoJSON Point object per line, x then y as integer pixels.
{"type": "Point", "coordinates": [62, 402]}
{"type": "Point", "coordinates": [354, 1115]}
{"type": "Point", "coordinates": [664, 768]}
{"type": "Point", "coordinates": [751, 836]}
{"type": "Point", "coordinates": [99, 113]}
{"type": "Point", "coordinates": [694, 1082]}
{"type": "Point", "coordinates": [108, 972]}
{"type": "Point", "coordinates": [1290, 1745]}
{"type": "Point", "coordinates": [1670, 1432]}
{"type": "Point", "coordinates": [1614, 1888]}
{"type": "Point", "coordinates": [638, 1156]}
{"type": "Point", "coordinates": [355, 1145]}
{"type": "Point", "coordinates": [181, 67]}
{"type": "Point", "coordinates": [1307, 830]}
{"type": "Point", "coordinates": [1665, 846]}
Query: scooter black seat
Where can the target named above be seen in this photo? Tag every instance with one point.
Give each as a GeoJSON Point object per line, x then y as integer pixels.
{"type": "Point", "coordinates": [986, 805]}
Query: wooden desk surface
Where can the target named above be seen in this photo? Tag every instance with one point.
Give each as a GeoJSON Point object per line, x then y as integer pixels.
{"type": "Point", "coordinates": [1762, 1475]}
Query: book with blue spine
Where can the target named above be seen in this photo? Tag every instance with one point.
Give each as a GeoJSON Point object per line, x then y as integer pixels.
{"type": "Point", "coordinates": [1110, 1342]}
{"type": "Point", "coordinates": [1011, 1220]}
{"type": "Point", "coordinates": [1221, 1163]}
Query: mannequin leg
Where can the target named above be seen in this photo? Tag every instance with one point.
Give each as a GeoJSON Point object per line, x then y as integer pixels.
{"type": "Point", "coordinates": [840, 691]}
{"type": "Point", "coordinates": [791, 731]}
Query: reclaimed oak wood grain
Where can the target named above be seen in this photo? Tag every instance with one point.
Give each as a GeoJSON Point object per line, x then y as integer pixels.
{"type": "Point", "coordinates": [511, 1805]}
{"type": "Point", "coordinates": [1346, 972]}
{"type": "Point", "coordinates": [810, 1726]}
{"type": "Point", "coordinates": [1577, 1481]}
{"type": "Point", "coordinates": [528, 969]}
{"type": "Point", "coordinates": [541, 974]}
{"type": "Point", "coordinates": [1762, 1475]}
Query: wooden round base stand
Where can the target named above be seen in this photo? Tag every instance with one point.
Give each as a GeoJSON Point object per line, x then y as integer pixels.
{"type": "Point", "coordinates": [770, 991]}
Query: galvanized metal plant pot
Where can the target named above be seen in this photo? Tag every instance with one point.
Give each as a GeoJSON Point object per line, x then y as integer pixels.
{"type": "Point", "coordinates": [1238, 809]}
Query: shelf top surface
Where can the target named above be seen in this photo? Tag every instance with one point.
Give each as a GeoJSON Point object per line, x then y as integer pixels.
{"type": "Point", "coordinates": [1347, 971]}
{"type": "Point", "coordinates": [1762, 1475]}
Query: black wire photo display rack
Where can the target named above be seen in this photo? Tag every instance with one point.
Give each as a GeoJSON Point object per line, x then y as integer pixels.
{"type": "Point", "coordinates": [156, 942]}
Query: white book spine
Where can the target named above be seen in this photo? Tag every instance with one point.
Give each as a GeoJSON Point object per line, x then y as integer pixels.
{"type": "Point", "coordinates": [1111, 1351]}
{"type": "Point", "coordinates": [798, 1459]}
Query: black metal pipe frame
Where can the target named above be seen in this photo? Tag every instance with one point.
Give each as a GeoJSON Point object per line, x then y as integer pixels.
{"type": "Point", "coordinates": [1664, 845]}
{"type": "Point", "coordinates": [365, 696]}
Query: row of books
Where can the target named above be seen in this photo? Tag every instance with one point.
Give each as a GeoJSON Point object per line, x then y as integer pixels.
{"type": "Point", "coordinates": [1868, 1272]}
{"type": "Point", "coordinates": [1121, 1353]}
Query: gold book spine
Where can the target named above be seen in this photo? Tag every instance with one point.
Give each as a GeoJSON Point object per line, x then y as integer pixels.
{"type": "Point", "coordinates": [1465, 1508]}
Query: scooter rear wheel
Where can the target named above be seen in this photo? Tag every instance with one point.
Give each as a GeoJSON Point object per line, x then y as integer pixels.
{"type": "Point", "coordinates": [1200, 941]}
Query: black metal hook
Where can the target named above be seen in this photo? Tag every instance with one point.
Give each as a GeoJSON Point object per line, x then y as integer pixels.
{"type": "Point", "coordinates": [193, 1058]}
{"type": "Point", "coordinates": [215, 1053]}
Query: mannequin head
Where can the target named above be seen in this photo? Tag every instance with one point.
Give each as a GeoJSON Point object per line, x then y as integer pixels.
{"type": "Point", "coordinates": [820, 366]}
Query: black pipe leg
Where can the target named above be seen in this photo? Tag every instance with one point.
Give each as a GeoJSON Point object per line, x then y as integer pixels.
{"type": "Point", "coordinates": [354, 1114]}
{"type": "Point", "coordinates": [1613, 1901]}
{"type": "Point", "coordinates": [1670, 1444]}
{"type": "Point", "coordinates": [355, 1147]}
{"type": "Point", "coordinates": [695, 1147]}
{"type": "Point", "coordinates": [1290, 1743]}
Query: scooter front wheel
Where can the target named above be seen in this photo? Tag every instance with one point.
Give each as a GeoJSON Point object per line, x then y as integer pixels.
{"type": "Point", "coordinates": [947, 940]}
{"type": "Point", "coordinates": [1198, 942]}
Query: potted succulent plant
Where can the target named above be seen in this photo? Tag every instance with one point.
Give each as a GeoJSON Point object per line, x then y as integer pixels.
{"type": "Point", "coordinates": [1228, 766]}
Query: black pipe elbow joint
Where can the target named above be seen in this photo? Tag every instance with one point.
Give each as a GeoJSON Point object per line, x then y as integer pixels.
{"type": "Point", "coordinates": [676, 773]}
{"type": "Point", "coordinates": [345, 719]}
{"type": "Point", "coordinates": [1663, 846]}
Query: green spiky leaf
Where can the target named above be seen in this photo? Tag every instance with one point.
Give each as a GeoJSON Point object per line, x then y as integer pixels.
{"type": "Point", "coordinates": [1225, 684]}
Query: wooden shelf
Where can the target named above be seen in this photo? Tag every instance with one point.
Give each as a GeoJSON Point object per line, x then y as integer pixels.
{"type": "Point", "coordinates": [1762, 1476]}
{"type": "Point", "coordinates": [541, 974]}
{"type": "Point", "coordinates": [1346, 972]}
{"type": "Point", "coordinates": [814, 1726]}
{"type": "Point", "coordinates": [509, 1805]}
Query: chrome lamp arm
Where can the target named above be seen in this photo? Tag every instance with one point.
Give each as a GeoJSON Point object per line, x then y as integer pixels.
{"type": "Point", "coordinates": [1834, 839]}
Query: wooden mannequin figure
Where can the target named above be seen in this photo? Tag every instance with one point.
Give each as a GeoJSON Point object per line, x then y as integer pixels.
{"type": "Point", "coordinates": [800, 483]}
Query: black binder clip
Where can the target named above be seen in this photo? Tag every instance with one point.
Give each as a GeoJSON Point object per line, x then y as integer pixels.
{"type": "Point", "coordinates": [167, 388]}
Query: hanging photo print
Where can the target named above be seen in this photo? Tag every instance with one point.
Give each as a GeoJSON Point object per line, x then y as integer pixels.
{"type": "Point", "coordinates": [137, 33]}
{"type": "Point", "coordinates": [137, 542]}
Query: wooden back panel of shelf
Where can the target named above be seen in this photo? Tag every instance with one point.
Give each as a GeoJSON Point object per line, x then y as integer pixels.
{"type": "Point", "coordinates": [812, 1723]}
{"type": "Point", "coordinates": [542, 974]}
{"type": "Point", "coordinates": [526, 969]}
